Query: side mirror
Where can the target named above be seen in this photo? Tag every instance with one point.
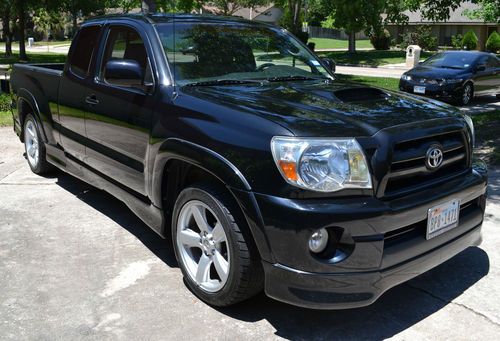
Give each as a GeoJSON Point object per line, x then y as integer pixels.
{"type": "Point", "coordinates": [480, 68]}
{"type": "Point", "coordinates": [329, 63]}
{"type": "Point", "coordinates": [126, 72]}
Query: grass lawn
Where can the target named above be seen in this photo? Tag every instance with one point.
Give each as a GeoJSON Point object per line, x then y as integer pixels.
{"type": "Point", "coordinates": [327, 43]}
{"type": "Point", "coordinates": [386, 83]}
{"type": "Point", "coordinates": [487, 126]}
{"type": "Point", "coordinates": [35, 58]}
{"type": "Point", "coordinates": [372, 58]}
{"type": "Point", "coordinates": [6, 119]}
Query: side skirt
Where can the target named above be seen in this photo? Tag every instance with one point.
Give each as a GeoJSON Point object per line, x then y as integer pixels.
{"type": "Point", "coordinates": [137, 203]}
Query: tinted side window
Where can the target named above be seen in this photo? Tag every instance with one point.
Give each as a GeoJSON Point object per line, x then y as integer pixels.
{"type": "Point", "coordinates": [86, 43]}
{"type": "Point", "coordinates": [492, 62]}
{"type": "Point", "coordinates": [125, 43]}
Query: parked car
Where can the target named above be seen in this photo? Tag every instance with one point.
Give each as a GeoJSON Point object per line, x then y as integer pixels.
{"type": "Point", "coordinates": [235, 143]}
{"type": "Point", "coordinates": [454, 75]}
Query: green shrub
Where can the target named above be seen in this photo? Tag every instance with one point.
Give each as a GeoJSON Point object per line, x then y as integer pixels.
{"type": "Point", "coordinates": [422, 37]}
{"type": "Point", "coordinates": [381, 41]}
{"type": "Point", "coordinates": [493, 42]}
{"type": "Point", "coordinates": [4, 102]}
{"type": "Point", "coordinates": [469, 41]}
{"type": "Point", "coordinates": [456, 42]}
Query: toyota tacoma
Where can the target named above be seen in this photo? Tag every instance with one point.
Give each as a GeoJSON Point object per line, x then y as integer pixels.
{"type": "Point", "coordinates": [260, 168]}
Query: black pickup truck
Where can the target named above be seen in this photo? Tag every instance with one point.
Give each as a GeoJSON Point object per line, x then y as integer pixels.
{"type": "Point", "coordinates": [241, 148]}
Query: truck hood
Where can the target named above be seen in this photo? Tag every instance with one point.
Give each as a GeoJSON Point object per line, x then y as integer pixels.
{"type": "Point", "coordinates": [312, 108]}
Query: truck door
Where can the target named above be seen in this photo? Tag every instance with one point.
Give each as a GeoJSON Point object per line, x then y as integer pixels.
{"type": "Point", "coordinates": [118, 114]}
{"type": "Point", "coordinates": [72, 91]}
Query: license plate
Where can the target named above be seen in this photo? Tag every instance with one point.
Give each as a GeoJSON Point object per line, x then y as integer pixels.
{"type": "Point", "coordinates": [419, 89]}
{"type": "Point", "coordinates": [442, 218]}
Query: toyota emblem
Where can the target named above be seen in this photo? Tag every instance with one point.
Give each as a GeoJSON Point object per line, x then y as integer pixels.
{"type": "Point", "coordinates": [434, 157]}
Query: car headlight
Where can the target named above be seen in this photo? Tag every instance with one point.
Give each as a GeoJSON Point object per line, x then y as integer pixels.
{"type": "Point", "coordinates": [470, 123]}
{"type": "Point", "coordinates": [323, 165]}
{"type": "Point", "coordinates": [406, 77]}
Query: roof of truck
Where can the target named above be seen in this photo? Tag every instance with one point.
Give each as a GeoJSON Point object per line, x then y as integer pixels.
{"type": "Point", "coordinates": [170, 17]}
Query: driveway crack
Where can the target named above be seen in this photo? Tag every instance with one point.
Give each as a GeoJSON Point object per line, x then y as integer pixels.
{"type": "Point", "coordinates": [455, 303]}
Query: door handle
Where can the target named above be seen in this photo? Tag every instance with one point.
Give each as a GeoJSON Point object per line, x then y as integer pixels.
{"type": "Point", "coordinates": [91, 100]}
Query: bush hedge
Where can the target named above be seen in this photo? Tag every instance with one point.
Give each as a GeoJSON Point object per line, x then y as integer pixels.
{"type": "Point", "coordinates": [493, 42]}
{"type": "Point", "coordinates": [381, 41]}
{"type": "Point", "coordinates": [469, 41]}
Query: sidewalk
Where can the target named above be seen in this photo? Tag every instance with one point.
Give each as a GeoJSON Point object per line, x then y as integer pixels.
{"type": "Point", "coordinates": [389, 71]}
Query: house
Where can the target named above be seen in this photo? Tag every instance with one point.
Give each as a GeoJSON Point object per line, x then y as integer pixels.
{"type": "Point", "coordinates": [458, 23]}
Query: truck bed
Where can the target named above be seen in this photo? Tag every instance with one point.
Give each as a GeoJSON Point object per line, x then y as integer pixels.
{"type": "Point", "coordinates": [40, 81]}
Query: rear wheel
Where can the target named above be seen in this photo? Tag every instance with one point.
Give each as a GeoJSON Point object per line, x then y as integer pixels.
{"type": "Point", "coordinates": [466, 95]}
{"type": "Point", "coordinates": [219, 262]}
{"type": "Point", "coordinates": [34, 147]}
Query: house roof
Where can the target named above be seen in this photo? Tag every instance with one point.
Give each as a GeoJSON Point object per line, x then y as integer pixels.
{"type": "Point", "coordinates": [456, 17]}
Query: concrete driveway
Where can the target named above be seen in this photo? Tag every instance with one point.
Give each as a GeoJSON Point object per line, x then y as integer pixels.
{"type": "Point", "coordinates": [75, 263]}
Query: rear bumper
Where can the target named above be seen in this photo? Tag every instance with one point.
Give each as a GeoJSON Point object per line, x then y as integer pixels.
{"type": "Point", "coordinates": [384, 242]}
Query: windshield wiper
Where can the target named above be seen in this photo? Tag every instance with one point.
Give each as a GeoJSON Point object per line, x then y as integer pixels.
{"type": "Point", "coordinates": [223, 82]}
{"type": "Point", "coordinates": [294, 78]}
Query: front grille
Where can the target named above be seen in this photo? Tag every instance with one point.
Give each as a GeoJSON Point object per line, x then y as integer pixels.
{"type": "Point", "coordinates": [426, 81]}
{"type": "Point", "coordinates": [408, 171]}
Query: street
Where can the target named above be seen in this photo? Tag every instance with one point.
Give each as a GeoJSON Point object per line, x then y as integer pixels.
{"type": "Point", "coordinates": [77, 264]}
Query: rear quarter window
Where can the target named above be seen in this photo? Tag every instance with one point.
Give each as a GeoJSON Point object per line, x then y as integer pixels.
{"type": "Point", "coordinates": [86, 43]}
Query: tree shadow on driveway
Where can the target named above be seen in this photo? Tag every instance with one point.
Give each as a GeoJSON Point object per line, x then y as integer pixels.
{"type": "Point", "coordinates": [395, 311]}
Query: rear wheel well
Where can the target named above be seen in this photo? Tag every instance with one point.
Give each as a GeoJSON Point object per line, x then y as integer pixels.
{"type": "Point", "coordinates": [24, 108]}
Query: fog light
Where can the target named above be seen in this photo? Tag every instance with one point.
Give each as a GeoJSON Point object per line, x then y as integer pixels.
{"type": "Point", "coordinates": [318, 241]}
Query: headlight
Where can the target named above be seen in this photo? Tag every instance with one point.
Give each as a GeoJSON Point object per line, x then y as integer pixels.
{"type": "Point", "coordinates": [406, 77]}
{"type": "Point", "coordinates": [471, 128]}
{"type": "Point", "coordinates": [323, 165]}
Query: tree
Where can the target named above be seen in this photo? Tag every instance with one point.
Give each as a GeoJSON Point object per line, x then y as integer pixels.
{"type": "Point", "coordinates": [488, 11]}
{"type": "Point", "coordinates": [21, 9]}
{"type": "Point", "coordinates": [148, 6]}
{"type": "Point", "coordinates": [354, 16]}
{"type": "Point", "coordinates": [433, 10]}
{"type": "Point", "coordinates": [229, 7]}
{"type": "Point", "coordinates": [6, 16]}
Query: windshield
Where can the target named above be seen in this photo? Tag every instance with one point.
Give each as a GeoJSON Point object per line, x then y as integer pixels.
{"type": "Point", "coordinates": [451, 60]}
{"type": "Point", "coordinates": [205, 52]}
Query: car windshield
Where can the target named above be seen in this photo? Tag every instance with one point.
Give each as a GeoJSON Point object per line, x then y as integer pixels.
{"type": "Point", "coordinates": [451, 60]}
{"type": "Point", "coordinates": [212, 53]}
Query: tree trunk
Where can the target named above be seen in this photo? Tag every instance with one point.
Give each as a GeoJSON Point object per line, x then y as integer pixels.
{"type": "Point", "coordinates": [148, 6]}
{"type": "Point", "coordinates": [352, 42]}
{"type": "Point", "coordinates": [74, 23]}
{"type": "Point", "coordinates": [7, 33]}
{"type": "Point", "coordinates": [22, 33]}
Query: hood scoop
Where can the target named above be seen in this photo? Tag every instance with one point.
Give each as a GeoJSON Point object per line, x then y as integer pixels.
{"type": "Point", "coordinates": [351, 95]}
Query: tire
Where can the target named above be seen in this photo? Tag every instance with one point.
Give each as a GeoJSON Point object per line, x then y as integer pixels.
{"type": "Point", "coordinates": [34, 147]}
{"type": "Point", "coordinates": [225, 281]}
{"type": "Point", "coordinates": [466, 94]}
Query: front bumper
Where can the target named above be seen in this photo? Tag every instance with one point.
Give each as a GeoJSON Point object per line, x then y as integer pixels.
{"type": "Point", "coordinates": [447, 91]}
{"type": "Point", "coordinates": [388, 238]}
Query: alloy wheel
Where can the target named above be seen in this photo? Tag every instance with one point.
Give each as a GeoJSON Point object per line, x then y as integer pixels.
{"type": "Point", "coordinates": [203, 246]}
{"type": "Point", "coordinates": [466, 96]}
{"type": "Point", "coordinates": [32, 144]}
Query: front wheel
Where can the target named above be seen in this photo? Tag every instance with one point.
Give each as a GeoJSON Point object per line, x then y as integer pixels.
{"type": "Point", "coordinates": [34, 147]}
{"type": "Point", "coordinates": [219, 262]}
{"type": "Point", "coordinates": [466, 94]}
